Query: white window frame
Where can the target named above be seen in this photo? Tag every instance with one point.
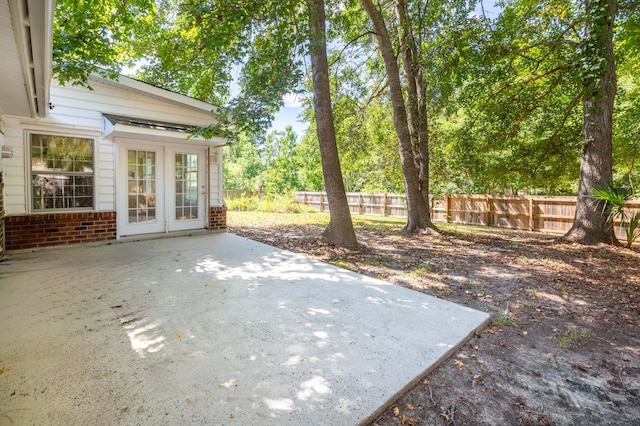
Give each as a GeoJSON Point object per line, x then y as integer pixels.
{"type": "Point", "coordinates": [29, 172]}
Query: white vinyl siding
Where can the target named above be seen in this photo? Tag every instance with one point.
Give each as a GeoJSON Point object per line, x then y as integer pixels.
{"type": "Point", "coordinates": [78, 112]}
{"type": "Point", "coordinates": [215, 177]}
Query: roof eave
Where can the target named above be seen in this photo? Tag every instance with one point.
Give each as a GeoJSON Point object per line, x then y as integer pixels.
{"type": "Point", "coordinates": [134, 85]}
{"type": "Point", "coordinates": [33, 29]}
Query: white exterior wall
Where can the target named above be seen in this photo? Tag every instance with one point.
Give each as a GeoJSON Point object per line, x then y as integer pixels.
{"type": "Point", "coordinates": [215, 177]}
{"type": "Point", "coordinates": [78, 112]}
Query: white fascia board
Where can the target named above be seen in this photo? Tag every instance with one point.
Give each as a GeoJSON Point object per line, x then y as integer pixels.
{"type": "Point", "coordinates": [41, 19]}
{"type": "Point", "coordinates": [19, 18]}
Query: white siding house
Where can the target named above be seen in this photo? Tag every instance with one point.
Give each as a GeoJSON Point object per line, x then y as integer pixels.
{"type": "Point", "coordinates": [88, 165]}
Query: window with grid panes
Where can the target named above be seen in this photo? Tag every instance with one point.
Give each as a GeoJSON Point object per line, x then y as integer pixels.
{"type": "Point", "coordinates": [62, 172]}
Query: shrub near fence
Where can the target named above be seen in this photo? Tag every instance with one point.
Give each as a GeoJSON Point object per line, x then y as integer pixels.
{"type": "Point", "coordinates": [531, 213]}
{"type": "Point", "coordinates": [232, 194]}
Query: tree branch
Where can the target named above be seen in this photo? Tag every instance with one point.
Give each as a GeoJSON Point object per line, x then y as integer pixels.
{"type": "Point", "coordinates": [565, 117]}
{"type": "Point", "coordinates": [348, 44]}
{"type": "Point", "coordinates": [630, 6]}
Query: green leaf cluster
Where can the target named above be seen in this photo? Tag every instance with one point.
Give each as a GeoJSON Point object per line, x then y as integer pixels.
{"type": "Point", "coordinates": [99, 36]}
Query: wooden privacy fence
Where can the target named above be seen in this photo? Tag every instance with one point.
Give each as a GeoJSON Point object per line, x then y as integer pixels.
{"type": "Point", "coordinates": [532, 213]}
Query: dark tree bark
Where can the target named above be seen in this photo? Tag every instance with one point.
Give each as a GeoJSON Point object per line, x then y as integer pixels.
{"type": "Point", "coordinates": [340, 230]}
{"type": "Point", "coordinates": [416, 102]}
{"type": "Point", "coordinates": [591, 225]}
{"type": "Point", "coordinates": [417, 210]}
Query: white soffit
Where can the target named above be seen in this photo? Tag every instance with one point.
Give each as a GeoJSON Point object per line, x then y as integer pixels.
{"type": "Point", "coordinates": [26, 31]}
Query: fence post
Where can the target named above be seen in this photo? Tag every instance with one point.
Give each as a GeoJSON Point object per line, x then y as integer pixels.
{"type": "Point", "coordinates": [305, 199]}
{"type": "Point", "coordinates": [447, 209]}
{"type": "Point", "coordinates": [360, 204]}
{"type": "Point", "coordinates": [489, 210]}
{"type": "Point", "coordinates": [532, 225]}
{"type": "Point", "coordinates": [384, 205]}
{"type": "Point", "coordinates": [322, 201]}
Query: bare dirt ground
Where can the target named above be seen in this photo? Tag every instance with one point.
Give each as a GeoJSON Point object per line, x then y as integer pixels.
{"type": "Point", "coordinates": [564, 344]}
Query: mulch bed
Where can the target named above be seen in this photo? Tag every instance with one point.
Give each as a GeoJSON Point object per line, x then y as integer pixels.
{"type": "Point", "coordinates": [563, 347]}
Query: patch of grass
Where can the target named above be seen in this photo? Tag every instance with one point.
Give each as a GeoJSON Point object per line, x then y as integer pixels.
{"type": "Point", "coordinates": [244, 218]}
{"type": "Point", "coordinates": [421, 270]}
{"type": "Point", "coordinates": [374, 223]}
{"type": "Point", "coordinates": [271, 204]}
{"type": "Point", "coordinates": [339, 263]}
{"type": "Point", "coordinates": [372, 261]}
{"type": "Point", "coordinates": [563, 288]}
{"type": "Point", "coordinates": [240, 219]}
{"type": "Point", "coordinates": [505, 320]}
{"type": "Point", "coordinates": [572, 336]}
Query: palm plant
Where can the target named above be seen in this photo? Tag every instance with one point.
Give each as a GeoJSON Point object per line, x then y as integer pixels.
{"type": "Point", "coordinates": [613, 200]}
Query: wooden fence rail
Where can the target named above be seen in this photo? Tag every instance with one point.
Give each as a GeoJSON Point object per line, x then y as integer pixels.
{"type": "Point", "coordinates": [531, 213]}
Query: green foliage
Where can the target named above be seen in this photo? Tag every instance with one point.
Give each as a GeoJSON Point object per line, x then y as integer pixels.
{"type": "Point", "coordinates": [612, 200]}
{"type": "Point", "coordinates": [277, 164]}
{"type": "Point", "coordinates": [503, 95]}
{"type": "Point", "coordinates": [203, 46]}
{"type": "Point", "coordinates": [281, 164]}
{"type": "Point", "coordinates": [99, 36]}
{"type": "Point", "coordinates": [242, 165]}
{"type": "Point", "coordinates": [308, 154]}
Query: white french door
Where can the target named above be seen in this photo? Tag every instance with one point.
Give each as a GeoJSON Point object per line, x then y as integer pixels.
{"type": "Point", "coordinates": [187, 189]}
{"type": "Point", "coordinates": [162, 189]}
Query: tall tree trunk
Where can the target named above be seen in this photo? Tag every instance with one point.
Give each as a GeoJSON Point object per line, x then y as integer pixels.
{"type": "Point", "coordinates": [416, 102]}
{"type": "Point", "coordinates": [417, 212]}
{"type": "Point", "coordinates": [591, 225]}
{"type": "Point", "coordinates": [340, 230]}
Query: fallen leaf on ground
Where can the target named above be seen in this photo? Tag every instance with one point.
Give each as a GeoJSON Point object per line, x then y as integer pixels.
{"type": "Point", "coordinates": [396, 411]}
{"type": "Point", "coordinates": [408, 420]}
{"type": "Point", "coordinates": [458, 363]}
{"type": "Point", "coordinates": [3, 370]}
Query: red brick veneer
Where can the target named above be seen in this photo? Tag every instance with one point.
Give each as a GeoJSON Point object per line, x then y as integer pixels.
{"type": "Point", "coordinates": [218, 218]}
{"type": "Point", "coordinates": [52, 229]}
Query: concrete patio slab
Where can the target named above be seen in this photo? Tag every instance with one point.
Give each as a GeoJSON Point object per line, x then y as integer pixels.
{"type": "Point", "coordinates": [209, 329]}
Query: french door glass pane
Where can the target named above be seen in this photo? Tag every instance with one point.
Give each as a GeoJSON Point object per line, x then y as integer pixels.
{"type": "Point", "coordinates": [142, 186]}
{"type": "Point", "coordinates": [186, 176]}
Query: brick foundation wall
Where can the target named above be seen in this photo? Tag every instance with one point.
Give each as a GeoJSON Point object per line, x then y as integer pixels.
{"type": "Point", "coordinates": [217, 218]}
{"type": "Point", "coordinates": [52, 229]}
